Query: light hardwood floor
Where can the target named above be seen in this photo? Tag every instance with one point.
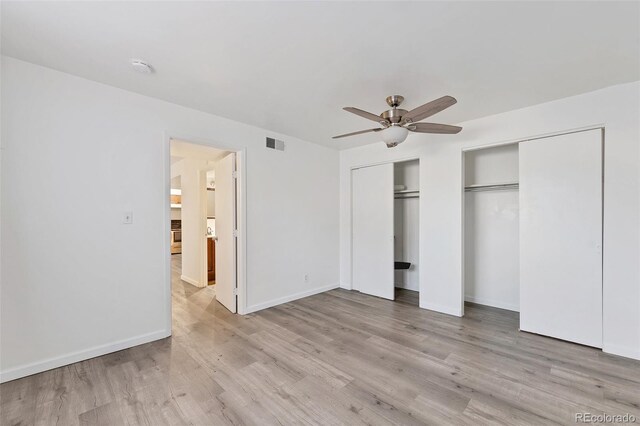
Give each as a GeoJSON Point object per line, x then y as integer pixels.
{"type": "Point", "coordinates": [335, 358]}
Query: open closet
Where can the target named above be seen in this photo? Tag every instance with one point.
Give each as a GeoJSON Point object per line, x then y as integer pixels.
{"type": "Point", "coordinates": [491, 237]}
{"type": "Point", "coordinates": [385, 224]}
{"type": "Point", "coordinates": [533, 233]}
{"type": "Point", "coordinates": [406, 209]}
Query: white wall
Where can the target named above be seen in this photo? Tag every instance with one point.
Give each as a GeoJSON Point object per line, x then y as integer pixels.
{"type": "Point", "coordinates": [491, 237]}
{"type": "Point", "coordinates": [211, 223]}
{"type": "Point", "coordinates": [616, 108]}
{"type": "Point", "coordinates": [75, 281]}
{"type": "Point", "coordinates": [211, 203]}
{"type": "Point", "coordinates": [406, 226]}
{"type": "Point", "coordinates": [407, 173]}
{"type": "Point", "coordinates": [491, 165]}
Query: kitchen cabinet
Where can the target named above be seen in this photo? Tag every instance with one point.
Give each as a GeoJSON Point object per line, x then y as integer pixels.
{"type": "Point", "coordinates": [211, 260]}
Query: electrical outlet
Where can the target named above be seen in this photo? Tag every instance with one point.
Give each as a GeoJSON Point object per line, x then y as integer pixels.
{"type": "Point", "coordinates": [127, 218]}
{"type": "Point", "coordinates": [306, 278]}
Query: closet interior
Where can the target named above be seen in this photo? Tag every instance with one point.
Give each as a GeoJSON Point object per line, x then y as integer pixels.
{"type": "Point", "coordinates": [533, 233]}
{"type": "Point", "coordinates": [491, 256]}
{"type": "Point", "coordinates": [406, 209]}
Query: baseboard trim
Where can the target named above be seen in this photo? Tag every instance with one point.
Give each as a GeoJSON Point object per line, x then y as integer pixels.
{"type": "Point", "coordinates": [406, 288]}
{"type": "Point", "coordinates": [290, 298]}
{"type": "Point", "coordinates": [51, 363]}
{"type": "Point", "coordinates": [442, 309]}
{"type": "Point", "coordinates": [492, 303]}
{"type": "Point", "coordinates": [190, 280]}
{"type": "Point", "coordinates": [621, 351]}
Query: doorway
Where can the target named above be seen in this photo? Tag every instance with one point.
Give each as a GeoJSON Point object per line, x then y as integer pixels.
{"type": "Point", "coordinates": [206, 210]}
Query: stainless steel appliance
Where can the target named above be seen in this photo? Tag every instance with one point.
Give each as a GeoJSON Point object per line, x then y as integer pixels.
{"type": "Point", "coordinates": [176, 236]}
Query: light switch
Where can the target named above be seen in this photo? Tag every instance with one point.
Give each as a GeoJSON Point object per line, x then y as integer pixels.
{"type": "Point", "coordinates": [127, 218]}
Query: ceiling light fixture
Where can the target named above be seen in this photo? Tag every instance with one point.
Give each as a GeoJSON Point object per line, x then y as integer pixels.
{"type": "Point", "coordinates": [141, 66]}
{"type": "Point", "coordinates": [394, 135]}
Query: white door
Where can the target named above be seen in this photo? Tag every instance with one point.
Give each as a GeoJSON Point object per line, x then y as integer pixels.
{"type": "Point", "coordinates": [225, 230]}
{"type": "Point", "coordinates": [372, 230]}
{"type": "Point", "coordinates": [561, 237]}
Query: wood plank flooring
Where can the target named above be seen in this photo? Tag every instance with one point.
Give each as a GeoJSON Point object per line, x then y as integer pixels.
{"type": "Point", "coordinates": [335, 358]}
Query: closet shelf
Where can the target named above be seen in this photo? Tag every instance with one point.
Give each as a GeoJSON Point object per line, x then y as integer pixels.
{"type": "Point", "coordinates": [407, 191]}
{"type": "Point", "coordinates": [492, 187]}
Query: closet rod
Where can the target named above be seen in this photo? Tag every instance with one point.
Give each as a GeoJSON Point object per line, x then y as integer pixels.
{"type": "Point", "coordinates": [491, 187]}
{"type": "Point", "coordinates": [406, 196]}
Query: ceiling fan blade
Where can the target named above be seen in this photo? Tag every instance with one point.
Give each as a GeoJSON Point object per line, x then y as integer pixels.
{"type": "Point", "coordinates": [429, 109]}
{"type": "Point", "coordinates": [356, 133]}
{"type": "Point", "coordinates": [434, 128]}
{"type": "Point", "coordinates": [364, 114]}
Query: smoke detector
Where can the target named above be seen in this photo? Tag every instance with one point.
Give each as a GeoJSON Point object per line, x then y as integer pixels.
{"type": "Point", "coordinates": [143, 67]}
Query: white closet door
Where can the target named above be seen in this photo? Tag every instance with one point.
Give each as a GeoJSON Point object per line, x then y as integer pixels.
{"type": "Point", "coordinates": [225, 232]}
{"type": "Point", "coordinates": [561, 237]}
{"type": "Point", "coordinates": [372, 230]}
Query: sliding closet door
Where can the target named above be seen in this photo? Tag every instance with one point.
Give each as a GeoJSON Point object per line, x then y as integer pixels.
{"type": "Point", "coordinates": [561, 237]}
{"type": "Point", "coordinates": [372, 230]}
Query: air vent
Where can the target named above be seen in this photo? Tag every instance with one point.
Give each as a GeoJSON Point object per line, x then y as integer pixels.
{"type": "Point", "coordinates": [275, 144]}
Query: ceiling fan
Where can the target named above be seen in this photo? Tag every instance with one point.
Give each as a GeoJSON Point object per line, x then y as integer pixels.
{"type": "Point", "coordinates": [397, 123]}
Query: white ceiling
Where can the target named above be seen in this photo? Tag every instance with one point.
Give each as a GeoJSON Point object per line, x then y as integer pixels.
{"type": "Point", "coordinates": [291, 67]}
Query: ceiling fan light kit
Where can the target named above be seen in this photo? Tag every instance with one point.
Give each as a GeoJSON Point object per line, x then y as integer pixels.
{"type": "Point", "coordinates": [394, 135]}
{"type": "Point", "coordinates": [397, 123]}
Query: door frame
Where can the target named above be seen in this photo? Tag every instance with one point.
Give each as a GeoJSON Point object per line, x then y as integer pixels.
{"type": "Point", "coordinates": [241, 217]}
